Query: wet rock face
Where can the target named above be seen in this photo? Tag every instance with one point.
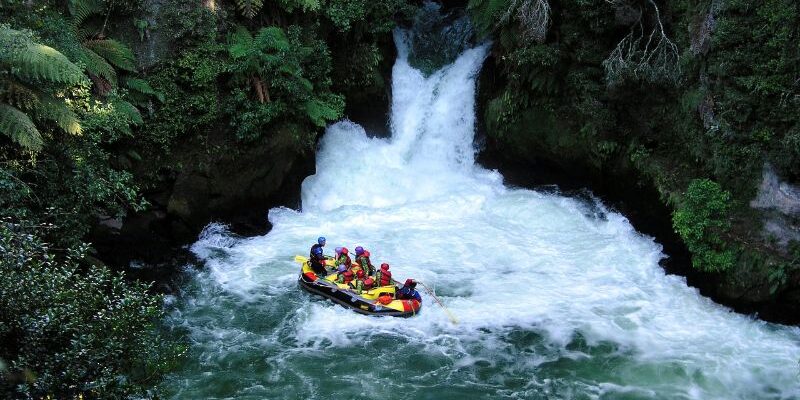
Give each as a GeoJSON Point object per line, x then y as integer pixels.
{"type": "Point", "coordinates": [235, 185]}
{"type": "Point", "coordinates": [773, 194]}
{"type": "Point", "coordinates": [152, 44]}
{"type": "Point", "coordinates": [781, 203]}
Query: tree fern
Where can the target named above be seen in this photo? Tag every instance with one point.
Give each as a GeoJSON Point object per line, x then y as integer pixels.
{"type": "Point", "coordinates": [128, 110]}
{"type": "Point", "coordinates": [29, 73]}
{"type": "Point", "coordinates": [241, 43]}
{"type": "Point", "coordinates": [98, 66]}
{"type": "Point", "coordinates": [99, 55]}
{"type": "Point", "coordinates": [272, 38]}
{"type": "Point", "coordinates": [19, 127]}
{"type": "Point", "coordinates": [325, 108]}
{"type": "Point", "coordinates": [140, 88]}
{"type": "Point", "coordinates": [54, 109]}
{"type": "Point", "coordinates": [18, 94]}
{"type": "Point", "coordinates": [114, 52]}
{"type": "Point", "coordinates": [249, 8]}
{"type": "Point", "coordinates": [81, 10]}
{"type": "Point", "coordinates": [33, 61]}
{"type": "Point", "coordinates": [305, 5]}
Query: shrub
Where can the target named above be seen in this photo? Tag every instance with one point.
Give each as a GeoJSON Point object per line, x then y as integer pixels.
{"type": "Point", "coordinates": [700, 217]}
{"type": "Point", "coordinates": [69, 330]}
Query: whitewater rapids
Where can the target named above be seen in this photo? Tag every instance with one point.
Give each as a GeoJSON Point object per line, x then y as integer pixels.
{"type": "Point", "coordinates": [555, 297]}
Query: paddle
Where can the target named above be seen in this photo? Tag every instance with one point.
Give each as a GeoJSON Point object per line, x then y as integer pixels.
{"type": "Point", "coordinates": [302, 259]}
{"type": "Point", "coordinates": [430, 292]}
{"type": "Point", "coordinates": [449, 314]}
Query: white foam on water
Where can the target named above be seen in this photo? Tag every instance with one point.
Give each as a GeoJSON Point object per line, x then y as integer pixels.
{"type": "Point", "coordinates": [504, 260]}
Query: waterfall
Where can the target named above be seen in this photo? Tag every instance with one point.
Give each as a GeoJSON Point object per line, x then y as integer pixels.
{"type": "Point", "coordinates": [554, 299]}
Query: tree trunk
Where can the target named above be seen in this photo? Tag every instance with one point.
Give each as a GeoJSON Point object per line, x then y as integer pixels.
{"type": "Point", "coordinates": [261, 90]}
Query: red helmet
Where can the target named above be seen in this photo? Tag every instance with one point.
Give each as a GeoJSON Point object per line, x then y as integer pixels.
{"type": "Point", "coordinates": [344, 250]}
{"type": "Point", "coordinates": [366, 253]}
{"type": "Point", "coordinates": [360, 273]}
{"type": "Point", "coordinates": [385, 266]}
{"type": "Point", "coordinates": [411, 283]}
{"type": "Point", "coordinates": [369, 282]}
{"type": "Point", "coordinates": [348, 274]}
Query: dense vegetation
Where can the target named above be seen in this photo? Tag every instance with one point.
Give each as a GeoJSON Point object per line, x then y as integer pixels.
{"type": "Point", "coordinates": [105, 103]}
{"type": "Point", "coordinates": [70, 328]}
{"type": "Point", "coordinates": [100, 102]}
{"type": "Point", "coordinates": [693, 96]}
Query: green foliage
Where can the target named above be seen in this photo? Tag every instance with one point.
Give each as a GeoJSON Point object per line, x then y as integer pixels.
{"type": "Point", "coordinates": [81, 10]}
{"type": "Point", "coordinates": [361, 47]}
{"type": "Point", "coordinates": [33, 61]}
{"type": "Point", "coordinates": [302, 5]}
{"type": "Point", "coordinates": [324, 109]}
{"type": "Point", "coordinates": [733, 108]}
{"type": "Point", "coordinates": [69, 329]}
{"type": "Point", "coordinates": [701, 217]}
{"type": "Point", "coordinates": [487, 14]}
{"type": "Point", "coordinates": [753, 75]}
{"type": "Point", "coordinates": [249, 8]}
{"type": "Point", "coordinates": [31, 76]}
{"type": "Point", "coordinates": [72, 179]}
{"type": "Point", "coordinates": [285, 76]}
{"type": "Point", "coordinates": [114, 52]}
{"type": "Point", "coordinates": [19, 127]}
{"type": "Point", "coordinates": [100, 56]}
{"type": "Point", "coordinates": [140, 91]}
{"type": "Point", "coordinates": [192, 97]}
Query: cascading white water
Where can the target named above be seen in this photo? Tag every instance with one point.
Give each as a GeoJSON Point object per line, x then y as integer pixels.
{"type": "Point", "coordinates": [556, 298]}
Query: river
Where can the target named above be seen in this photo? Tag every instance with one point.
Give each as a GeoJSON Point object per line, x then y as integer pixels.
{"type": "Point", "coordinates": [555, 297]}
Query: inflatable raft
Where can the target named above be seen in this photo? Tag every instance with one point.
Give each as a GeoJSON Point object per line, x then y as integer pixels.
{"type": "Point", "coordinates": [365, 303]}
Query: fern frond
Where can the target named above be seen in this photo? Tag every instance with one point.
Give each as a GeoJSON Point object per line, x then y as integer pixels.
{"type": "Point", "coordinates": [98, 66]}
{"type": "Point", "coordinates": [19, 127]}
{"type": "Point", "coordinates": [33, 61]}
{"type": "Point", "coordinates": [137, 85]}
{"type": "Point", "coordinates": [129, 110]}
{"type": "Point", "coordinates": [305, 5]}
{"type": "Point", "coordinates": [249, 8]}
{"type": "Point", "coordinates": [320, 111]}
{"type": "Point", "coordinates": [113, 52]}
{"type": "Point", "coordinates": [17, 94]}
{"type": "Point", "coordinates": [81, 10]}
{"type": "Point", "coordinates": [272, 38]}
{"type": "Point", "coordinates": [56, 110]}
{"type": "Point", "coordinates": [489, 13]}
{"type": "Point", "coordinates": [241, 42]}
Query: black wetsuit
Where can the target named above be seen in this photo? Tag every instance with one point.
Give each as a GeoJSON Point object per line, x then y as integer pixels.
{"type": "Point", "coordinates": [408, 293]}
{"type": "Point", "coordinates": [317, 262]}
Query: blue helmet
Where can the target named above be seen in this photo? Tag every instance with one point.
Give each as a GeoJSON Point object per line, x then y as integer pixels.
{"type": "Point", "coordinates": [359, 250]}
{"type": "Point", "coordinates": [338, 250]}
{"type": "Point", "coordinates": [321, 240]}
{"type": "Point", "coordinates": [317, 251]}
{"type": "Point", "coordinates": [342, 268]}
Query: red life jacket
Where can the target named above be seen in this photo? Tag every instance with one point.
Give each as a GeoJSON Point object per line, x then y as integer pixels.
{"type": "Point", "coordinates": [386, 278]}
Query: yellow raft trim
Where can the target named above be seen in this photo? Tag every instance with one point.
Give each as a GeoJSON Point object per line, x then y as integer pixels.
{"type": "Point", "coordinates": [371, 295]}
